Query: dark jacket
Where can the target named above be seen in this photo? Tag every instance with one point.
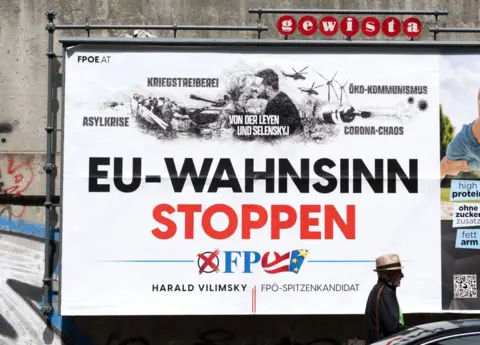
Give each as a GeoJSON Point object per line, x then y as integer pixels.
{"type": "Point", "coordinates": [287, 112]}
{"type": "Point", "coordinates": [389, 313]}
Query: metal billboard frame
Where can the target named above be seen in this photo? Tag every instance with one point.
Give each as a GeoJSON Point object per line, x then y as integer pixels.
{"type": "Point", "coordinates": [51, 201]}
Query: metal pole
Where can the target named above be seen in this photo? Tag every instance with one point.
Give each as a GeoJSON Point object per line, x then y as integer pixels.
{"type": "Point", "coordinates": [436, 27]}
{"type": "Point", "coordinates": [436, 30]}
{"type": "Point", "coordinates": [456, 30]}
{"type": "Point", "coordinates": [49, 168]}
{"type": "Point", "coordinates": [220, 42]}
{"type": "Point", "coordinates": [333, 11]}
{"type": "Point", "coordinates": [90, 27]}
{"type": "Point", "coordinates": [259, 22]}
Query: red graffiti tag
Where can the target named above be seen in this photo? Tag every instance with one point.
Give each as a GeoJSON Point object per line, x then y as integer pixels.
{"type": "Point", "coordinates": [15, 179]}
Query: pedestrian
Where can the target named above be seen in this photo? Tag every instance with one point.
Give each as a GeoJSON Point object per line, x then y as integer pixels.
{"type": "Point", "coordinates": [383, 316]}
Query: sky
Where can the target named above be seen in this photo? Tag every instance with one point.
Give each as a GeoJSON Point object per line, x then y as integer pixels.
{"type": "Point", "coordinates": [459, 86]}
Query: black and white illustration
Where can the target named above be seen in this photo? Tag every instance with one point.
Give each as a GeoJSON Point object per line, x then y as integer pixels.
{"type": "Point", "coordinates": [302, 103]}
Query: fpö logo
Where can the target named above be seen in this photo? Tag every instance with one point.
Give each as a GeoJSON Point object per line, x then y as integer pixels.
{"type": "Point", "coordinates": [246, 261]}
{"type": "Point", "coordinates": [349, 26]}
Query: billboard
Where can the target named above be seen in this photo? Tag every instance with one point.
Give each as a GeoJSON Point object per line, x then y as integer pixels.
{"type": "Point", "coordinates": [251, 182]}
{"type": "Point", "coordinates": [460, 197]}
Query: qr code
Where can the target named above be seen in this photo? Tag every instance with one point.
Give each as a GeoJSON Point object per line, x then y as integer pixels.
{"type": "Point", "coordinates": [464, 286]}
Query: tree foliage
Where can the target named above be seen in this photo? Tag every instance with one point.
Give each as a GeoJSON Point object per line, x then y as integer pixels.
{"type": "Point", "coordinates": [446, 132]}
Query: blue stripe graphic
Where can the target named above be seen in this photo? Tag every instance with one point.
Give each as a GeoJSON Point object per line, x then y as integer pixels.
{"type": "Point", "coordinates": [143, 261]}
{"type": "Point", "coordinates": [191, 261]}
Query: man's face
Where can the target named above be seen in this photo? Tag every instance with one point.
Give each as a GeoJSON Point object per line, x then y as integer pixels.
{"type": "Point", "coordinates": [395, 277]}
{"type": "Point", "coordinates": [262, 90]}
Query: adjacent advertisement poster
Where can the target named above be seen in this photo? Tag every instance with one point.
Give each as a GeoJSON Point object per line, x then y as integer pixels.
{"type": "Point", "coordinates": [460, 184]}
{"type": "Point", "coordinates": [247, 182]}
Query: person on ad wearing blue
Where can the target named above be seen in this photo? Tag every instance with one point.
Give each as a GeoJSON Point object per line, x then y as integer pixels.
{"type": "Point", "coordinates": [463, 152]}
{"type": "Point", "coordinates": [383, 316]}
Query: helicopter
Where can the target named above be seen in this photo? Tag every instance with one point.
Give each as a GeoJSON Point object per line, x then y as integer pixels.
{"type": "Point", "coordinates": [311, 91]}
{"type": "Point", "coordinates": [297, 75]}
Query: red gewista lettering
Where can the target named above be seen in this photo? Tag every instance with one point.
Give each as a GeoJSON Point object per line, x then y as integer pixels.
{"type": "Point", "coordinates": [286, 25]}
{"type": "Point", "coordinates": [412, 27]}
{"type": "Point", "coordinates": [391, 27]}
{"type": "Point", "coordinates": [328, 26]}
{"type": "Point", "coordinates": [371, 26]}
{"type": "Point", "coordinates": [307, 25]}
{"type": "Point", "coordinates": [349, 26]}
{"type": "Point", "coordinates": [276, 220]}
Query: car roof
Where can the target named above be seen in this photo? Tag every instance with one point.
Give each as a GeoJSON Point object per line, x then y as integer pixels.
{"type": "Point", "coordinates": [431, 330]}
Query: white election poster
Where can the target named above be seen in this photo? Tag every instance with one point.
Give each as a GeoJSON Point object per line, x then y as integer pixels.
{"type": "Point", "coordinates": [247, 183]}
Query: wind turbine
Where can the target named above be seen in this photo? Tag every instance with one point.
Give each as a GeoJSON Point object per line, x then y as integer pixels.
{"type": "Point", "coordinates": [329, 84]}
{"type": "Point", "coordinates": [342, 91]}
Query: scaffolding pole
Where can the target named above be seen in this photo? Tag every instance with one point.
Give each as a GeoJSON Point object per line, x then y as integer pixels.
{"type": "Point", "coordinates": [49, 168]}
{"type": "Point", "coordinates": [189, 42]}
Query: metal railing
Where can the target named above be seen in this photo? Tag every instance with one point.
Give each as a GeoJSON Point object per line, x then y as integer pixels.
{"type": "Point", "coordinates": [174, 28]}
{"type": "Point", "coordinates": [436, 31]}
{"type": "Point", "coordinates": [219, 42]}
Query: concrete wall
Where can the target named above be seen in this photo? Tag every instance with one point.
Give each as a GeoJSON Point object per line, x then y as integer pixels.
{"type": "Point", "coordinates": [22, 144]}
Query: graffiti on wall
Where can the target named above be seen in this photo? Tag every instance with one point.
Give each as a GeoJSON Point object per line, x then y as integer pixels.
{"type": "Point", "coordinates": [21, 267]}
{"type": "Point", "coordinates": [16, 177]}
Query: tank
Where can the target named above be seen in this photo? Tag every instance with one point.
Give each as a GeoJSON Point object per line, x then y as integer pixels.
{"type": "Point", "coordinates": [206, 115]}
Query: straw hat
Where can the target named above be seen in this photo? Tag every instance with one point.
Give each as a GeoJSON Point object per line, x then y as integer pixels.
{"type": "Point", "coordinates": [388, 262]}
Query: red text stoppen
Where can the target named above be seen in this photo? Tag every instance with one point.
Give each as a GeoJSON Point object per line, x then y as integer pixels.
{"type": "Point", "coordinates": [255, 217]}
